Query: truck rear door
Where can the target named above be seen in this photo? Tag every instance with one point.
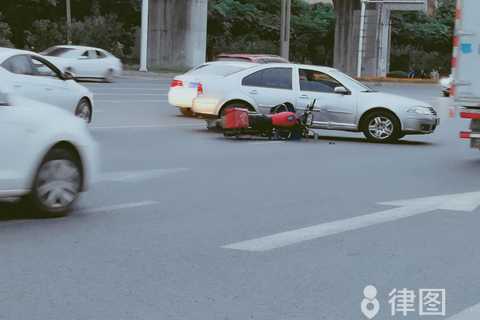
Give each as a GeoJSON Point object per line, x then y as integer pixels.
{"type": "Point", "coordinates": [466, 60]}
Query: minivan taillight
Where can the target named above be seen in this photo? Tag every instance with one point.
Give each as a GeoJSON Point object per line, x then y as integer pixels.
{"type": "Point", "coordinates": [199, 89]}
{"type": "Point", "coordinates": [176, 83]}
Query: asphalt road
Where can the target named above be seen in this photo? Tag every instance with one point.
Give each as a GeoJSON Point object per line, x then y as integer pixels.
{"type": "Point", "coordinates": [162, 235]}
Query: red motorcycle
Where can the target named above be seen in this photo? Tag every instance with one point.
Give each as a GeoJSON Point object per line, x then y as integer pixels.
{"type": "Point", "coordinates": [280, 124]}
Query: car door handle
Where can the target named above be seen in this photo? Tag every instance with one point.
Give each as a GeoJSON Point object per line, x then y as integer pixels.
{"type": "Point", "coordinates": [253, 92]}
{"type": "Point", "coordinates": [17, 86]}
{"type": "Point", "coordinates": [304, 96]}
{"type": "Point", "coordinates": [49, 89]}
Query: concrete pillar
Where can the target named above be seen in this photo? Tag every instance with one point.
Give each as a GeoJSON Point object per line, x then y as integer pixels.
{"type": "Point", "coordinates": [177, 33]}
{"type": "Point", "coordinates": [346, 35]}
{"type": "Point", "coordinates": [376, 42]}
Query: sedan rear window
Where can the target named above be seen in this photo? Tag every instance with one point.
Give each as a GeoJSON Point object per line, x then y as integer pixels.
{"type": "Point", "coordinates": [218, 69]}
{"type": "Point", "coordinates": [276, 78]}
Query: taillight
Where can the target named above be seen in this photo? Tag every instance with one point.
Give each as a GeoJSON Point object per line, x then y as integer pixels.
{"type": "Point", "coordinates": [199, 89]}
{"type": "Point", "coordinates": [176, 83]}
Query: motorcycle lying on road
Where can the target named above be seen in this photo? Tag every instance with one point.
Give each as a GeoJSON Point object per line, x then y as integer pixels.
{"type": "Point", "coordinates": [280, 125]}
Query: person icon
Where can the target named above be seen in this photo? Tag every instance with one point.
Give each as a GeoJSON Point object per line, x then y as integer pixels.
{"type": "Point", "coordinates": [370, 305]}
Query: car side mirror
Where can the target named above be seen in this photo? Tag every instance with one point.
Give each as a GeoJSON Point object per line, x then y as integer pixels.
{"type": "Point", "coordinates": [68, 75]}
{"type": "Point", "coordinates": [341, 90]}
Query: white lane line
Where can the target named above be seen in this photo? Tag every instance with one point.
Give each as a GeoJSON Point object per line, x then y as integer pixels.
{"type": "Point", "coordinates": [128, 101]}
{"type": "Point", "coordinates": [130, 94]}
{"type": "Point", "coordinates": [287, 238]}
{"type": "Point", "coordinates": [119, 207]}
{"type": "Point", "coordinates": [472, 313]}
{"type": "Point", "coordinates": [153, 126]}
{"type": "Point", "coordinates": [136, 176]}
{"type": "Point", "coordinates": [466, 202]}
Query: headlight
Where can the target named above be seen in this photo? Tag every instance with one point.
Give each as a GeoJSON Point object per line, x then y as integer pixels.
{"type": "Point", "coordinates": [421, 110]}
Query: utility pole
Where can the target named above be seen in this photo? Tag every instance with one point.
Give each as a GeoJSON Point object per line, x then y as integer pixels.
{"type": "Point", "coordinates": [69, 22]}
{"type": "Point", "coordinates": [285, 29]}
{"type": "Point", "coordinates": [144, 37]}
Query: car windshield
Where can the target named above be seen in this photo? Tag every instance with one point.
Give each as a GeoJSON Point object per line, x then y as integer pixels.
{"type": "Point", "coordinates": [59, 52]}
{"type": "Point", "coordinates": [360, 86]}
{"type": "Point", "coordinates": [222, 70]}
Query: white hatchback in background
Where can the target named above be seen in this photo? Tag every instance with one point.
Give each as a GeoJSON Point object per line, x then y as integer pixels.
{"type": "Point", "coordinates": [342, 103]}
{"type": "Point", "coordinates": [186, 87]}
{"type": "Point", "coordinates": [48, 155]}
{"type": "Point", "coordinates": [85, 62]}
{"type": "Point", "coordinates": [32, 76]}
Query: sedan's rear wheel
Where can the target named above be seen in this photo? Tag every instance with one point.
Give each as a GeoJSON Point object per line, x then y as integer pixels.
{"type": "Point", "coordinates": [84, 110]}
{"type": "Point", "coordinates": [241, 105]}
{"type": "Point", "coordinates": [187, 112]}
{"type": "Point", "coordinates": [57, 184]}
{"type": "Point", "coordinates": [382, 127]}
{"type": "Point", "coordinates": [109, 76]}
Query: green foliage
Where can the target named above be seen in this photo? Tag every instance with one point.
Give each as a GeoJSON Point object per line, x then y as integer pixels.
{"type": "Point", "coordinates": [5, 33]}
{"type": "Point", "coordinates": [101, 31]}
{"type": "Point", "coordinates": [422, 42]}
{"type": "Point", "coordinates": [254, 26]}
{"type": "Point", "coordinates": [44, 34]}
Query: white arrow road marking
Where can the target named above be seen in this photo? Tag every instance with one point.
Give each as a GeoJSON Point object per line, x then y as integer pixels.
{"type": "Point", "coordinates": [136, 176]}
{"type": "Point", "coordinates": [454, 202]}
{"type": "Point", "coordinates": [119, 207]}
{"type": "Point", "coordinates": [472, 313]}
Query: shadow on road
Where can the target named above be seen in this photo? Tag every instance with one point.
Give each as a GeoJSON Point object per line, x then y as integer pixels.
{"type": "Point", "coordinates": [321, 138]}
{"type": "Point", "coordinates": [16, 211]}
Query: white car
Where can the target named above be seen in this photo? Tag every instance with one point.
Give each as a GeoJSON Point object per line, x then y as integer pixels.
{"type": "Point", "coordinates": [342, 103]}
{"type": "Point", "coordinates": [48, 155]}
{"type": "Point", "coordinates": [85, 62]}
{"type": "Point", "coordinates": [32, 76]}
{"type": "Point", "coordinates": [186, 87]}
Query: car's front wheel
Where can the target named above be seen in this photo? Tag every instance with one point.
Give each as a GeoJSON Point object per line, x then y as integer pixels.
{"type": "Point", "coordinates": [57, 183]}
{"type": "Point", "coordinates": [382, 127]}
{"type": "Point", "coordinates": [84, 110]}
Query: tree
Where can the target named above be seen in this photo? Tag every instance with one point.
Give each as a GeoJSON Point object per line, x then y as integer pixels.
{"type": "Point", "coordinates": [254, 26]}
{"type": "Point", "coordinates": [423, 42]}
{"type": "Point", "coordinates": [5, 33]}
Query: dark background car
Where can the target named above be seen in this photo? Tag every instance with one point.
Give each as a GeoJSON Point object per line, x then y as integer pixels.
{"type": "Point", "coordinates": [255, 58]}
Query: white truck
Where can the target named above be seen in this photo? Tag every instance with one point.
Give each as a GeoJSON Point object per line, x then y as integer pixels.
{"type": "Point", "coordinates": [466, 67]}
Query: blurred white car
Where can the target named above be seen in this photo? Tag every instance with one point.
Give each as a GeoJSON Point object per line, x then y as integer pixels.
{"type": "Point", "coordinates": [48, 155]}
{"type": "Point", "coordinates": [342, 103]}
{"type": "Point", "coordinates": [32, 76]}
{"type": "Point", "coordinates": [186, 87]}
{"type": "Point", "coordinates": [85, 62]}
{"type": "Point", "coordinates": [446, 84]}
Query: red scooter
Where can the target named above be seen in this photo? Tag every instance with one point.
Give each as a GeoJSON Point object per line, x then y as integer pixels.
{"type": "Point", "coordinates": [283, 125]}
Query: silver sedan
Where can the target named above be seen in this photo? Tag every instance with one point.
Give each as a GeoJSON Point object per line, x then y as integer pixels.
{"type": "Point", "coordinates": [342, 102]}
